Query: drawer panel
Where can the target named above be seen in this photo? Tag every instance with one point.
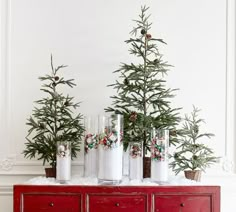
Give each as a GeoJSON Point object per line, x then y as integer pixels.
{"type": "Point", "coordinates": [183, 203]}
{"type": "Point", "coordinates": [51, 202]}
{"type": "Point", "coordinates": [117, 203]}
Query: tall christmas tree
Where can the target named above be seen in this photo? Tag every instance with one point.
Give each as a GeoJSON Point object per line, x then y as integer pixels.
{"type": "Point", "coordinates": [142, 96]}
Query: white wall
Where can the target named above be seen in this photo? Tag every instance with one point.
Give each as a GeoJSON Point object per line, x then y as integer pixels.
{"type": "Point", "coordinates": [89, 37]}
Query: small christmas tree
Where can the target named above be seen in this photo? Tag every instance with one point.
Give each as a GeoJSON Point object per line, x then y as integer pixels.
{"type": "Point", "coordinates": [53, 120]}
{"type": "Point", "coordinates": [142, 96]}
{"type": "Point", "coordinates": [191, 153]}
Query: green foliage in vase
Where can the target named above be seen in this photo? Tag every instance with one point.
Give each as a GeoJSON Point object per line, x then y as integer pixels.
{"type": "Point", "coordinates": [53, 120]}
{"type": "Point", "coordinates": [191, 153]}
{"type": "Point", "coordinates": [142, 96]}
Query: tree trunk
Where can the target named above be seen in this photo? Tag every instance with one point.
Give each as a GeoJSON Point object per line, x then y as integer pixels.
{"type": "Point", "coordinates": [146, 167]}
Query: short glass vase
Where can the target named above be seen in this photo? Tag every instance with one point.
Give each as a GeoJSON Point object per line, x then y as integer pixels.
{"type": "Point", "coordinates": [135, 161]}
{"type": "Point", "coordinates": [63, 171]}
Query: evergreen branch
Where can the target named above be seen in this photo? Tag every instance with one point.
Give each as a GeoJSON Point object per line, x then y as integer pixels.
{"type": "Point", "coordinates": [58, 68]}
{"type": "Point", "coordinates": [48, 91]}
{"type": "Point", "coordinates": [133, 41]}
{"type": "Point", "coordinates": [46, 77]}
{"type": "Point", "coordinates": [160, 40]}
{"type": "Point", "coordinates": [209, 135]}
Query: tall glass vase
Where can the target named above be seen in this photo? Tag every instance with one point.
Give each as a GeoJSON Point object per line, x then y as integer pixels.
{"type": "Point", "coordinates": [110, 149]}
{"type": "Point", "coordinates": [63, 171]}
{"type": "Point", "coordinates": [126, 162]}
{"type": "Point", "coordinates": [90, 147]}
{"type": "Point", "coordinates": [135, 161]}
{"type": "Point", "coordinates": [159, 155]}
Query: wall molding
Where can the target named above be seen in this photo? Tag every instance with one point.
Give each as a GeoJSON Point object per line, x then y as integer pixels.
{"type": "Point", "coordinates": [5, 35]}
{"type": "Point", "coordinates": [230, 115]}
{"type": "Point", "coordinates": [12, 166]}
{"type": "Point", "coordinates": [39, 163]}
{"type": "Point", "coordinates": [6, 190]}
{"type": "Point", "coordinates": [7, 163]}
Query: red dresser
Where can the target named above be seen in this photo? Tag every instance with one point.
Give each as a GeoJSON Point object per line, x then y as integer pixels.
{"type": "Point", "coordinates": [68, 198]}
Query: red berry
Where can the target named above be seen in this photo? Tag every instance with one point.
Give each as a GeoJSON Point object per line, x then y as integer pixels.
{"type": "Point", "coordinates": [148, 36]}
{"type": "Point", "coordinates": [133, 116]}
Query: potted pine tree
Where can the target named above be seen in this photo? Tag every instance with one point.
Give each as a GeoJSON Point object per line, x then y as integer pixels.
{"type": "Point", "coordinates": [193, 156]}
{"type": "Point", "coordinates": [53, 120]}
{"type": "Point", "coordinates": [142, 96]}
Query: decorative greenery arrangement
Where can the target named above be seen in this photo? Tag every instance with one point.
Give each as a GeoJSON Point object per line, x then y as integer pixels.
{"type": "Point", "coordinates": [53, 121]}
{"type": "Point", "coordinates": [142, 96]}
{"type": "Point", "coordinates": [90, 142]}
{"type": "Point", "coordinates": [159, 152]}
{"type": "Point", "coordinates": [135, 150]}
{"type": "Point", "coordinates": [109, 139]}
{"type": "Point", "coordinates": [191, 154]}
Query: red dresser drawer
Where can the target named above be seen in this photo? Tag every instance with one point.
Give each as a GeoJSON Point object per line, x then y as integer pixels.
{"type": "Point", "coordinates": [117, 203]}
{"type": "Point", "coordinates": [65, 198]}
{"type": "Point", "coordinates": [51, 202]}
{"type": "Point", "coordinates": [183, 203]}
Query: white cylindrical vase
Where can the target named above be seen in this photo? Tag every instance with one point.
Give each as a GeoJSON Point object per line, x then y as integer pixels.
{"type": "Point", "coordinates": [110, 165]}
{"type": "Point", "coordinates": [110, 149]}
{"type": "Point", "coordinates": [159, 155]}
{"type": "Point", "coordinates": [135, 161]}
{"type": "Point", "coordinates": [63, 171]}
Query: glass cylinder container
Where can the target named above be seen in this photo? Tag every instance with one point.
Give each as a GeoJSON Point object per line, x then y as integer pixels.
{"type": "Point", "coordinates": [110, 149]}
{"type": "Point", "coordinates": [90, 146]}
{"type": "Point", "coordinates": [63, 172]}
{"type": "Point", "coordinates": [135, 161]}
{"type": "Point", "coordinates": [159, 155]}
{"type": "Point", "coordinates": [126, 161]}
